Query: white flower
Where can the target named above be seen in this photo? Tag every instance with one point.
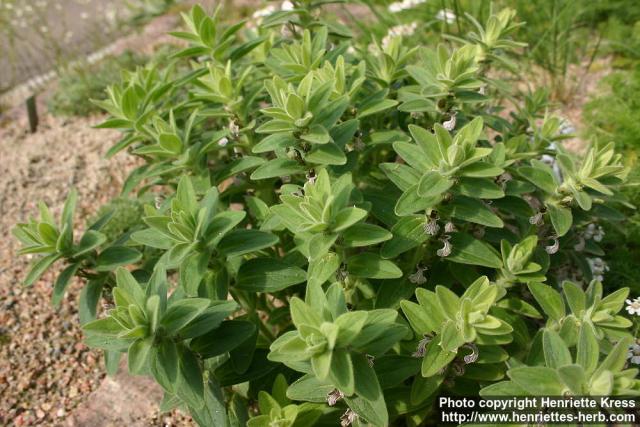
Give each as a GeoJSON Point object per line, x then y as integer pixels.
{"type": "Point", "coordinates": [554, 247]}
{"type": "Point", "coordinates": [446, 15]}
{"type": "Point", "coordinates": [598, 268]}
{"type": "Point", "coordinates": [566, 128]}
{"type": "Point", "coordinates": [399, 6]}
{"type": "Point", "coordinates": [537, 219]}
{"type": "Point", "coordinates": [633, 306]}
{"type": "Point", "coordinates": [634, 353]}
{"type": "Point", "coordinates": [403, 30]}
{"type": "Point", "coordinates": [396, 7]}
{"type": "Point", "coordinates": [399, 31]}
{"type": "Point", "coordinates": [594, 232]}
{"type": "Point", "coordinates": [334, 396]}
{"type": "Point", "coordinates": [418, 277]}
{"type": "Point", "coordinates": [234, 129]}
{"type": "Point", "coordinates": [287, 5]}
{"type": "Point", "coordinates": [348, 418]}
{"type": "Point", "coordinates": [445, 250]}
{"type": "Point", "coordinates": [223, 142]}
{"type": "Point", "coordinates": [451, 123]}
{"type": "Point", "coordinates": [432, 227]}
{"type": "Point", "coordinates": [266, 11]}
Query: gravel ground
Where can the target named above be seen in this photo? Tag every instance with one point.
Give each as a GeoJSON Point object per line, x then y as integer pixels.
{"type": "Point", "coordinates": [46, 373]}
{"type": "Point", "coordinates": [47, 376]}
{"type": "Point", "coordinates": [45, 370]}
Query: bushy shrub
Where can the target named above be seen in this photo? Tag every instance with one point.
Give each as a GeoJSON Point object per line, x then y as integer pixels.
{"type": "Point", "coordinates": [353, 230]}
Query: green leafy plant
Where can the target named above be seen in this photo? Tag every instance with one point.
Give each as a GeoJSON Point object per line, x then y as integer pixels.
{"type": "Point", "coordinates": [337, 234]}
{"type": "Point", "coordinates": [80, 83]}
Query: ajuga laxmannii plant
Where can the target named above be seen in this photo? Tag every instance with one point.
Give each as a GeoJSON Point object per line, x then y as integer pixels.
{"type": "Point", "coordinates": [343, 228]}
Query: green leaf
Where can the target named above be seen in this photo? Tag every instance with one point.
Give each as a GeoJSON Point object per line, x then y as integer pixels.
{"type": "Point", "coordinates": [410, 202]}
{"type": "Point", "coordinates": [448, 301]}
{"type": "Point", "coordinates": [479, 188]}
{"type": "Point", "coordinates": [229, 335]}
{"type": "Point", "coordinates": [309, 389]}
{"type": "Point", "coordinates": [115, 256]}
{"type": "Point", "coordinates": [274, 142]}
{"type": "Point", "coordinates": [576, 298]}
{"type": "Point", "coordinates": [268, 275]}
{"type": "Point", "coordinates": [549, 299]}
{"type": "Point", "coordinates": [130, 103]}
{"type": "Point", "coordinates": [321, 269]}
{"type": "Point", "coordinates": [214, 412]}
{"type": "Point", "coordinates": [192, 271]}
{"type": "Point", "coordinates": [242, 356]}
{"type": "Point", "coordinates": [363, 234]}
{"type": "Point", "coordinates": [238, 166]}
{"type": "Point", "coordinates": [316, 135]}
{"type": "Point", "coordinates": [365, 379]}
{"type": "Point", "coordinates": [209, 319]}
{"type": "Point", "coordinates": [374, 412]}
{"type": "Point", "coordinates": [276, 168]}
{"type": "Point", "coordinates": [347, 217]}
{"type": "Point", "coordinates": [372, 266]}
{"type": "Point", "coordinates": [240, 242]}
{"type": "Point", "coordinates": [467, 250]}
{"type": "Point", "coordinates": [617, 357]}
{"type": "Point", "coordinates": [220, 225]}
{"type": "Point", "coordinates": [561, 218]}
{"type": "Point", "coordinates": [341, 371]}
{"type": "Point", "coordinates": [378, 106]}
{"type": "Point", "coordinates": [170, 142]}
{"type": "Point", "coordinates": [38, 269]}
{"type": "Point", "coordinates": [417, 317]}
{"type": "Point", "coordinates": [413, 155]}
{"type": "Point", "coordinates": [574, 377]}
{"type": "Point", "coordinates": [302, 315]}
{"type": "Point", "coordinates": [537, 380]}
{"type": "Point", "coordinates": [472, 210]}
{"type": "Point", "coordinates": [90, 240]}
{"type": "Point", "coordinates": [556, 352]}
{"type": "Point", "coordinates": [259, 368]}
{"type": "Point", "coordinates": [152, 238]}
{"type": "Point", "coordinates": [139, 354]}
{"type": "Point", "coordinates": [61, 283]}
{"type": "Point", "coordinates": [423, 388]}
{"type": "Point", "coordinates": [504, 388]}
{"type": "Point", "coordinates": [182, 312]}
{"type": "Point", "coordinates": [88, 302]}
{"type": "Point", "coordinates": [392, 370]}
{"type": "Point", "coordinates": [408, 233]}
{"type": "Point", "coordinates": [190, 386]}
{"type": "Point", "coordinates": [433, 184]}
{"type": "Point", "coordinates": [326, 154]}
{"type": "Point", "coordinates": [435, 358]}
{"type": "Point", "coordinates": [587, 350]}
{"type": "Point", "coordinates": [541, 176]}
{"type": "Point", "coordinates": [403, 176]}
